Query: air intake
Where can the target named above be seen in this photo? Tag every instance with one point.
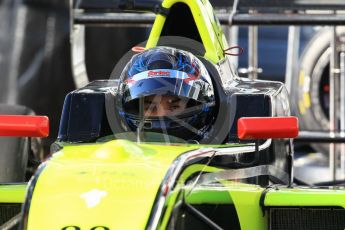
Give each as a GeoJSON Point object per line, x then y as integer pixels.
{"type": "Point", "coordinates": [303, 218]}
{"type": "Point", "coordinates": [7, 212]}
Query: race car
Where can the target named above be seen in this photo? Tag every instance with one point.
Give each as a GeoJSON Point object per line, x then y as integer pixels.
{"type": "Point", "coordinates": [110, 169]}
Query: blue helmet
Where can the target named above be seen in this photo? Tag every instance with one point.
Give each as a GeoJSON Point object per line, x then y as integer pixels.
{"type": "Point", "coordinates": [168, 71]}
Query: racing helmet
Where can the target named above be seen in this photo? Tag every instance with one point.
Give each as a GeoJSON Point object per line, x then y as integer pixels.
{"type": "Point", "coordinates": [166, 71]}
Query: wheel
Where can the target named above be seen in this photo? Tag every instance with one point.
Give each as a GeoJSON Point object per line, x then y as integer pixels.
{"type": "Point", "coordinates": [310, 96]}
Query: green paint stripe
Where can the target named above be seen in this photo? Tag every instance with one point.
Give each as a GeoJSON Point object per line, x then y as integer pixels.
{"type": "Point", "coordinates": [305, 197]}
{"type": "Point", "coordinates": [13, 193]}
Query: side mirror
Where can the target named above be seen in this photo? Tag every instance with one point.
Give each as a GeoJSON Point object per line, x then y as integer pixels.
{"type": "Point", "coordinates": [253, 128]}
{"type": "Point", "coordinates": [24, 126]}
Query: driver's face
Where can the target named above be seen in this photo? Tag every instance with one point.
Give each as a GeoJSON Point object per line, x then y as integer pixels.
{"type": "Point", "coordinates": [164, 105]}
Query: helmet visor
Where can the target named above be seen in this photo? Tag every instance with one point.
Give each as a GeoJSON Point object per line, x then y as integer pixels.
{"type": "Point", "coordinates": [163, 82]}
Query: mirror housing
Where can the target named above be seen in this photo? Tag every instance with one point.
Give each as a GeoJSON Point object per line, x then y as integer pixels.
{"type": "Point", "coordinates": [254, 128]}
{"type": "Point", "coordinates": [24, 126]}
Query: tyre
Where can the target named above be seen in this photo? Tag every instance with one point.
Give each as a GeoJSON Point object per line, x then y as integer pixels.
{"type": "Point", "coordinates": [310, 94]}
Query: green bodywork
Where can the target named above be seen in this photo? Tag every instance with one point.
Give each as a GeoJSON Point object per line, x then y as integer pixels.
{"type": "Point", "coordinates": [306, 197]}
{"type": "Point", "coordinates": [12, 193]}
{"type": "Point", "coordinates": [209, 28]}
{"type": "Point", "coordinates": [127, 174]}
